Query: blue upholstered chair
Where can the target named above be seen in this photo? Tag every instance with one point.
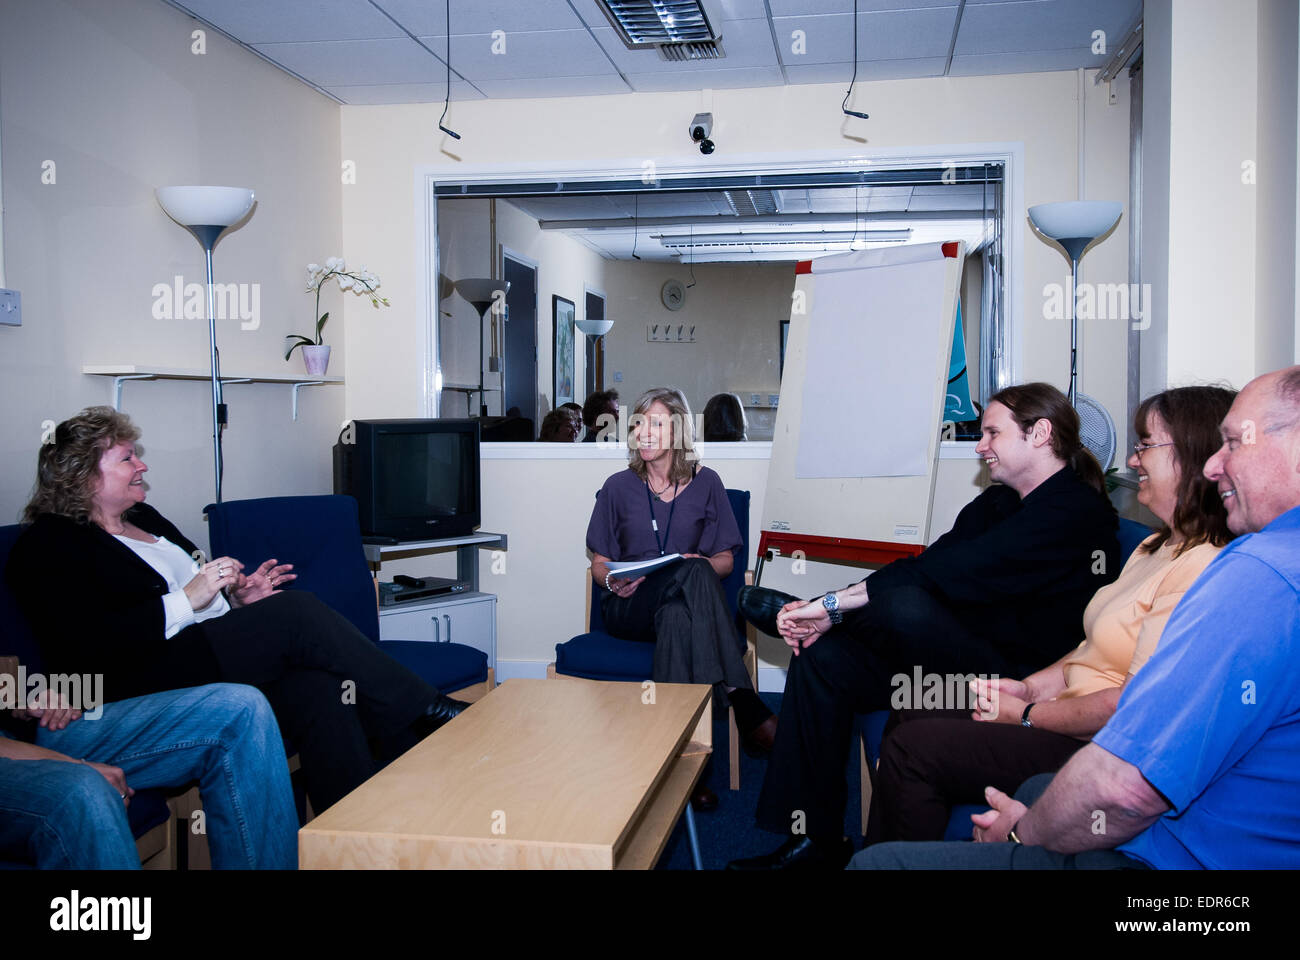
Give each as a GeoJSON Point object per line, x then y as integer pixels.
{"type": "Point", "coordinates": [149, 815]}
{"type": "Point", "coordinates": [871, 726]}
{"type": "Point", "coordinates": [321, 537]}
{"type": "Point", "coordinates": [595, 655]}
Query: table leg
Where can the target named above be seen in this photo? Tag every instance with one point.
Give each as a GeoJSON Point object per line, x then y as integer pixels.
{"type": "Point", "coordinates": [693, 837]}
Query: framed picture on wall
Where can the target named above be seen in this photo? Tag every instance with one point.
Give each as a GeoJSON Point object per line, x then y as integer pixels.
{"type": "Point", "coordinates": [564, 315]}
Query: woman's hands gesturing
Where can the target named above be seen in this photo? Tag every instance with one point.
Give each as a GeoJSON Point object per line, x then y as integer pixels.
{"type": "Point", "coordinates": [261, 583]}
{"type": "Point", "coordinates": [211, 579]}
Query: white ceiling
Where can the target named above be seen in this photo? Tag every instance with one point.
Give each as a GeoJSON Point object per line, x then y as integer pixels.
{"type": "Point", "coordinates": [394, 51]}
{"type": "Point", "coordinates": [674, 226]}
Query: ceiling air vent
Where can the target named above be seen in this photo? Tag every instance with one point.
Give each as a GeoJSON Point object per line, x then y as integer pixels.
{"type": "Point", "coordinates": [681, 29]}
{"type": "Point", "coordinates": [751, 203]}
{"type": "Point", "coordinates": [690, 51]}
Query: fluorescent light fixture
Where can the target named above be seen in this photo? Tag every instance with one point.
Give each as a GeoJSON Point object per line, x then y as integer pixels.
{"type": "Point", "coordinates": [793, 237]}
{"type": "Point", "coordinates": [645, 23]}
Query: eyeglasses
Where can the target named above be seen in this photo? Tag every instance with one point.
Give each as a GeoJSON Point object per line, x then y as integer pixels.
{"type": "Point", "coordinates": [1141, 448]}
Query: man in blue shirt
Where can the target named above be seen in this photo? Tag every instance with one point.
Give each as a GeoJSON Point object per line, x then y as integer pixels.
{"type": "Point", "coordinates": [1197, 766]}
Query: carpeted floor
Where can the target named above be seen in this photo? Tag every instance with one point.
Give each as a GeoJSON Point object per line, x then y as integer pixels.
{"type": "Point", "coordinates": [729, 832]}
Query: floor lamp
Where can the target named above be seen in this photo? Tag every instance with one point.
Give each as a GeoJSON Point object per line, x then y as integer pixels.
{"type": "Point", "coordinates": [207, 212]}
{"type": "Point", "coordinates": [595, 329]}
{"type": "Point", "coordinates": [482, 292]}
{"type": "Point", "coordinates": [1074, 224]}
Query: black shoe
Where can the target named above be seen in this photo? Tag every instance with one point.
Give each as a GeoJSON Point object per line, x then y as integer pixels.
{"type": "Point", "coordinates": [704, 800]}
{"type": "Point", "coordinates": [759, 606]}
{"type": "Point", "coordinates": [759, 741]}
{"type": "Point", "coordinates": [800, 853]}
{"type": "Point", "coordinates": [440, 711]}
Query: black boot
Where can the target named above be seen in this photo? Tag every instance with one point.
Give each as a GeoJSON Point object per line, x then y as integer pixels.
{"type": "Point", "coordinates": [759, 606]}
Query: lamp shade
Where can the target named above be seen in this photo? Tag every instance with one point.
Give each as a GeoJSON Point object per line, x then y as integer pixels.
{"type": "Point", "coordinates": [205, 206]}
{"type": "Point", "coordinates": [1075, 223]}
{"type": "Point", "coordinates": [595, 328]}
{"type": "Point", "coordinates": [480, 291]}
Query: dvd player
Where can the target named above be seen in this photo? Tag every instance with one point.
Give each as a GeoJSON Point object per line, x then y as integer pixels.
{"type": "Point", "coordinates": [410, 589]}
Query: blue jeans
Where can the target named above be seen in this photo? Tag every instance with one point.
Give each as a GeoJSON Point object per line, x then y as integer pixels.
{"type": "Point", "coordinates": [222, 735]}
{"type": "Point", "coordinates": [63, 816]}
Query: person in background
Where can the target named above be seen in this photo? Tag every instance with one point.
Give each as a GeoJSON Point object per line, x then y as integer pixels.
{"type": "Point", "coordinates": [598, 405]}
{"type": "Point", "coordinates": [558, 427]}
{"type": "Point", "coordinates": [724, 419]}
{"type": "Point", "coordinates": [575, 413]}
{"type": "Point", "coordinates": [664, 503]}
{"type": "Point", "coordinates": [929, 764]}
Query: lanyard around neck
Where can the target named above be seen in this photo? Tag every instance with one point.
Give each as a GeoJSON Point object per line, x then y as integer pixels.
{"type": "Point", "coordinates": [654, 524]}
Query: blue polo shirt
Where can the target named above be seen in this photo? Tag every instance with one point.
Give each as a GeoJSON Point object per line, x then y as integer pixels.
{"type": "Point", "coordinates": [1213, 719]}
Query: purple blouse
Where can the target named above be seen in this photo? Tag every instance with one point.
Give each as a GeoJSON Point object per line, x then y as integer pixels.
{"type": "Point", "coordinates": [702, 522]}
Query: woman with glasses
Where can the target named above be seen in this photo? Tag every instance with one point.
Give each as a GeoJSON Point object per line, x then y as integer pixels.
{"type": "Point", "coordinates": [929, 764]}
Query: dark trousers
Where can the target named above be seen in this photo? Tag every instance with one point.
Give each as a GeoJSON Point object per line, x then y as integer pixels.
{"type": "Point", "coordinates": [928, 765]}
{"type": "Point", "coordinates": [682, 610]}
{"type": "Point", "coordinates": [849, 671]}
{"type": "Point", "coordinates": [332, 689]}
{"type": "Point", "coordinates": [956, 855]}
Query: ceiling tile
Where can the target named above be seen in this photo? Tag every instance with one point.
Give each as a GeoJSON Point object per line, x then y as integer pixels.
{"type": "Point", "coordinates": [424, 18]}
{"type": "Point", "coordinates": [257, 21]}
{"type": "Point", "coordinates": [1023, 26]}
{"type": "Point", "coordinates": [346, 62]}
{"type": "Point", "coordinates": [903, 35]}
{"type": "Point", "coordinates": [525, 54]}
{"type": "Point", "coordinates": [800, 8]}
{"type": "Point", "coordinates": [535, 88]}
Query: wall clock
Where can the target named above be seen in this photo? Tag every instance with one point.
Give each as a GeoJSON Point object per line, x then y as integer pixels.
{"type": "Point", "coordinates": [673, 294]}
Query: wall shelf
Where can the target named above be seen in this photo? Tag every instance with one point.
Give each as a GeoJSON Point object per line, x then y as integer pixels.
{"type": "Point", "coordinates": [122, 372]}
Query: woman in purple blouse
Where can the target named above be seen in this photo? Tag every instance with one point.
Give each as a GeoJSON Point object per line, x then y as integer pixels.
{"type": "Point", "coordinates": [665, 503]}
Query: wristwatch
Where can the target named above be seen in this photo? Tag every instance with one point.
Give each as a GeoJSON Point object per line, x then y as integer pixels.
{"type": "Point", "coordinates": [1024, 716]}
{"type": "Point", "coordinates": [832, 605]}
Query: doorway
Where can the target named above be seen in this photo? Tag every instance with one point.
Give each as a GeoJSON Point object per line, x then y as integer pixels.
{"type": "Point", "coordinates": [519, 364]}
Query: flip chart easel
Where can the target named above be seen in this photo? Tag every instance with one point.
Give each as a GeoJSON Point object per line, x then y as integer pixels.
{"type": "Point", "coordinates": [856, 441]}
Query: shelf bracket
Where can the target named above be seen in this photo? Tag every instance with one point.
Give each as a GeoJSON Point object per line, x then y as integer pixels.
{"type": "Point", "coordinates": [117, 387]}
{"type": "Point", "coordinates": [296, 386]}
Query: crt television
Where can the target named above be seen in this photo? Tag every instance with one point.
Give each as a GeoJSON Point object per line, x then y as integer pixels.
{"type": "Point", "coordinates": [412, 479]}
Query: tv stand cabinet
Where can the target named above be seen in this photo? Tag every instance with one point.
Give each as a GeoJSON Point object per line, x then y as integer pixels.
{"type": "Point", "coordinates": [469, 618]}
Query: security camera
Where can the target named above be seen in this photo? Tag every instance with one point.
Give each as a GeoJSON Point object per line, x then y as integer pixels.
{"type": "Point", "coordinates": [700, 128]}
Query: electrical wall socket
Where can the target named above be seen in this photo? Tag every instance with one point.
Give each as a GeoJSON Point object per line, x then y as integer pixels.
{"type": "Point", "coordinates": [11, 307]}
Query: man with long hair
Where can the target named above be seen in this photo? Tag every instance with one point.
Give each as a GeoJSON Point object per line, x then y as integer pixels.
{"type": "Point", "coordinates": [1001, 593]}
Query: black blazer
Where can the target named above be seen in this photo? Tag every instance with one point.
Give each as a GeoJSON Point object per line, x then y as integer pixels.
{"type": "Point", "coordinates": [1020, 572]}
{"type": "Point", "coordinates": [96, 607]}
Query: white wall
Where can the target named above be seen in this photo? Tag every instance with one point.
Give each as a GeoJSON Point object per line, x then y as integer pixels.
{"type": "Point", "coordinates": [736, 310]}
{"type": "Point", "coordinates": [113, 96]}
{"type": "Point", "coordinates": [1275, 238]}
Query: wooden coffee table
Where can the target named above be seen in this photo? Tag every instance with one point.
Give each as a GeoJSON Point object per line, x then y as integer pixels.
{"type": "Point", "coordinates": [539, 774]}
